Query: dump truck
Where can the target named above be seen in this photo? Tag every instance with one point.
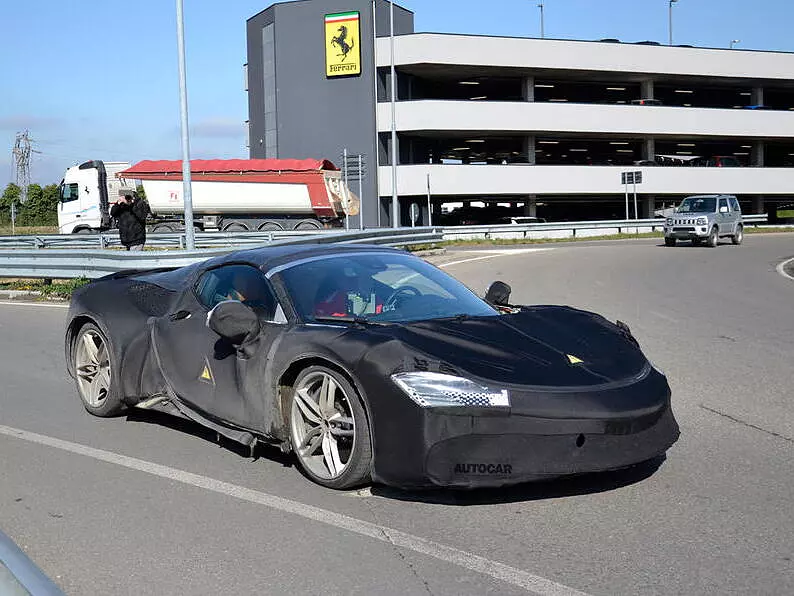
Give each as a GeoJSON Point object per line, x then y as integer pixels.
{"type": "Point", "coordinates": [234, 195]}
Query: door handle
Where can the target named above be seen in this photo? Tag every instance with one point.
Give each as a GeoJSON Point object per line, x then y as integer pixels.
{"type": "Point", "coordinates": [179, 315]}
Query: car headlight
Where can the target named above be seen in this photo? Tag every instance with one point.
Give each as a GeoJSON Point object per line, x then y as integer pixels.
{"type": "Point", "coordinates": [669, 221]}
{"type": "Point", "coordinates": [702, 221]}
{"type": "Point", "coordinates": [429, 389]}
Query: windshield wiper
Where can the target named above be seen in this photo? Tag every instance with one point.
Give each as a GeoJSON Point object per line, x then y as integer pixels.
{"type": "Point", "coordinates": [348, 319]}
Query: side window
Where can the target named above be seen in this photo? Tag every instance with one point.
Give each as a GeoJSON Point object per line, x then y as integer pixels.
{"type": "Point", "coordinates": [735, 205]}
{"type": "Point", "coordinates": [69, 192]}
{"type": "Point", "coordinates": [723, 203]}
{"type": "Point", "coordinates": [237, 282]}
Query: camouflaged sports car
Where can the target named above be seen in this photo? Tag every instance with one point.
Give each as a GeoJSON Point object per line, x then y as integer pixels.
{"type": "Point", "coordinates": [370, 364]}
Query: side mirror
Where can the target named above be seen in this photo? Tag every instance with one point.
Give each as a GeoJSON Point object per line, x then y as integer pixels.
{"type": "Point", "coordinates": [723, 210]}
{"type": "Point", "coordinates": [234, 321]}
{"type": "Point", "coordinates": [499, 294]}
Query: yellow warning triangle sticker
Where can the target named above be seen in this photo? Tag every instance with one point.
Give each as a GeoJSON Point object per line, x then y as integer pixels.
{"type": "Point", "coordinates": [206, 373]}
{"type": "Point", "coordinates": [574, 360]}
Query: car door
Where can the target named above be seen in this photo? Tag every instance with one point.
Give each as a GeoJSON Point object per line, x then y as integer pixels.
{"type": "Point", "coordinates": [203, 369]}
{"type": "Point", "coordinates": [736, 213]}
{"type": "Point", "coordinates": [724, 216]}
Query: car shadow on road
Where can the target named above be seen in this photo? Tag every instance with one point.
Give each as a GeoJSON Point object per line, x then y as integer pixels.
{"type": "Point", "coordinates": [261, 450]}
{"type": "Point", "coordinates": [532, 491]}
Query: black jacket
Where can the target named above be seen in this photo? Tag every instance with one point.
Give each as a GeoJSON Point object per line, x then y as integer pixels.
{"type": "Point", "coordinates": [131, 219]}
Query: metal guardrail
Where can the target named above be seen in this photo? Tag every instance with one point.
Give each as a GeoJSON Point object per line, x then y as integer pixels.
{"type": "Point", "coordinates": [20, 575]}
{"type": "Point", "coordinates": [92, 263]}
{"type": "Point", "coordinates": [580, 229]}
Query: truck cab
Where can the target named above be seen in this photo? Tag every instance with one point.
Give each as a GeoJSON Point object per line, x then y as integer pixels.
{"type": "Point", "coordinates": [86, 192]}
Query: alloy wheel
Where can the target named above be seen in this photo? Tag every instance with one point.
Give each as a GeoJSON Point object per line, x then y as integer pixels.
{"type": "Point", "coordinates": [92, 367]}
{"type": "Point", "coordinates": [323, 426]}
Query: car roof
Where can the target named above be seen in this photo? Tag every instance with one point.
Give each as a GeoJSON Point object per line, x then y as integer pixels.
{"type": "Point", "coordinates": [268, 257]}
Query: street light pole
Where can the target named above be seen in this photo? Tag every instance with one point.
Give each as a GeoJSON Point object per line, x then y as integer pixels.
{"type": "Point", "coordinates": [395, 202]}
{"type": "Point", "coordinates": [542, 24]}
{"type": "Point", "coordinates": [671, 21]}
{"type": "Point", "coordinates": [190, 240]}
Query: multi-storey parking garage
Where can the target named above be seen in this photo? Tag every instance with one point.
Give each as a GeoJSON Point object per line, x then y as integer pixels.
{"type": "Point", "coordinates": [543, 126]}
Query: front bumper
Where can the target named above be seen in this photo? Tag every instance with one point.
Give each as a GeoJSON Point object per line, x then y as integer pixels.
{"type": "Point", "coordinates": [686, 232]}
{"type": "Point", "coordinates": [477, 447]}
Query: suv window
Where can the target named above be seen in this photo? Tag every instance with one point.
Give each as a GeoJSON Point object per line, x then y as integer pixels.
{"type": "Point", "coordinates": [237, 282]}
{"type": "Point", "coordinates": [735, 204]}
{"type": "Point", "coordinates": [723, 203]}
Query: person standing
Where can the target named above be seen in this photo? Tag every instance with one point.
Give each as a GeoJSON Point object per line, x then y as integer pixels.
{"type": "Point", "coordinates": [130, 212]}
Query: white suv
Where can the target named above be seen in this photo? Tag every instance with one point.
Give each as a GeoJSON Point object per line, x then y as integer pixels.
{"type": "Point", "coordinates": [705, 217]}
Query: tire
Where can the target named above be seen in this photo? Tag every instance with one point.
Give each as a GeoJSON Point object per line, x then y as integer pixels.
{"type": "Point", "coordinates": [696, 241]}
{"type": "Point", "coordinates": [669, 241]}
{"type": "Point", "coordinates": [94, 372]}
{"type": "Point", "coordinates": [84, 231]}
{"type": "Point", "coordinates": [738, 236]}
{"type": "Point", "coordinates": [236, 227]}
{"type": "Point", "coordinates": [713, 238]}
{"type": "Point", "coordinates": [308, 224]}
{"type": "Point", "coordinates": [332, 441]}
{"type": "Point", "coordinates": [271, 226]}
{"type": "Point", "coordinates": [162, 229]}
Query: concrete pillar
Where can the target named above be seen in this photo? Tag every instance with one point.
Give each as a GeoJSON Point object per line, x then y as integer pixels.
{"type": "Point", "coordinates": [647, 89]}
{"type": "Point", "coordinates": [531, 206]}
{"type": "Point", "coordinates": [529, 149]}
{"type": "Point", "coordinates": [647, 206]}
{"type": "Point", "coordinates": [758, 96]}
{"type": "Point", "coordinates": [757, 154]}
{"type": "Point", "coordinates": [529, 89]}
{"type": "Point", "coordinates": [649, 149]}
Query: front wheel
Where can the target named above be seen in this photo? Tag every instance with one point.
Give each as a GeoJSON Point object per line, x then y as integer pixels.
{"type": "Point", "coordinates": [94, 372]}
{"type": "Point", "coordinates": [738, 236]}
{"type": "Point", "coordinates": [713, 238]}
{"type": "Point", "coordinates": [329, 429]}
{"type": "Point", "coordinates": [669, 241]}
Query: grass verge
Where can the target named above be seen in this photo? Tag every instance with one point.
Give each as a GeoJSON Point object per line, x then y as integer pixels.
{"type": "Point", "coordinates": [58, 289]}
{"type": "Point", "coordinates": [28, 231]}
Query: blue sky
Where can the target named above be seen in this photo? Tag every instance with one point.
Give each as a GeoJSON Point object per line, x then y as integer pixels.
{"type": "Point", "coordinates": [98, 80]}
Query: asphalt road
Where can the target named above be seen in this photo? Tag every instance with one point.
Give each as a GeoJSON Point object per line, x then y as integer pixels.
{"type": "Point", "coordinates": [714, 518]}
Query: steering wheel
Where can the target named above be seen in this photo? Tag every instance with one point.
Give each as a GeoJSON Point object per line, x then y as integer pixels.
{"type": "Point", "coordinates": [391, 301]}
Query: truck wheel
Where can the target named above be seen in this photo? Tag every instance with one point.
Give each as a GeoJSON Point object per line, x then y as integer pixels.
{"type": "Point", "coordinates": [738, 236]}
{"type": "Point", "coordinates": [713, 238]}
{"type": "Point", "coordinates": [162, 229]}
{"type": "Point", "coordinates": [309, 224]}
{"type": "Point", "coordinates": [669, 241]}
{"type": "Point", "coordinates": [83, 231]}
{"type": "Point", "coordinates": [270, 226]}
{"type": "Point", "coordinates": [236, 227]}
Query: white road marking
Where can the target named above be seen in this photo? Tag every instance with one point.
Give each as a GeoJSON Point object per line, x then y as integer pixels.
{"type": "Point", "coordinates": [21, 303]}
{"type": "Point", "coordinates": [496, 253]}
{"type": "Point", "coordinates": [782, 269]}
{"type": "Point", "coordinates": [511, 575]}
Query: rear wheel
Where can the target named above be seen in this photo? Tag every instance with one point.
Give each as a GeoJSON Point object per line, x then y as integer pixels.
{"type": "Point", "coordinates": [669, 241]}
{"type": "Point", "coordinates": [235, 227]}
{"type": "Point", "coordinates": [713, 238]}
{"type": "Point", "coordinates": [738, 236]}
{"type": "Point", "coordinates": [309, 224]}
{"type": "Point", "coordinates": [329, 429]}
{"type": "Point", "coordinates": [94, 372]}
{"type": "Point", "coordinates": [270, 226]}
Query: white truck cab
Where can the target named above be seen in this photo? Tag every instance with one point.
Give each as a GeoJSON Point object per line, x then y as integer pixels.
{"type": "Point", "coordinates": [86, 193]}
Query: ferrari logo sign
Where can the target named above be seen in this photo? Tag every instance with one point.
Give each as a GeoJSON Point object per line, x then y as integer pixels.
{"type": "Point", "coordinates": [206, 373]}
{"type": "Point", "coordinates": [342, 44]}
{"type": "Point", "coordinates": [574, 360]}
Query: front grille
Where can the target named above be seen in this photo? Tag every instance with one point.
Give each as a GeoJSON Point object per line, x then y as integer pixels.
{"type": "Point", "coordinates": [685, 222]}
{"type": "Point", "coordinates": [684, 229]}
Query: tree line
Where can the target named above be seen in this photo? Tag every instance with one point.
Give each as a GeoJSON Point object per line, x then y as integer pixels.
{"type": "Point", "coordinates": [41, 208]}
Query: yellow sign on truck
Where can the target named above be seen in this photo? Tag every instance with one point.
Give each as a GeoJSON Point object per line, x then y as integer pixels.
{"type": "Point", "coordinates": [342, 44]}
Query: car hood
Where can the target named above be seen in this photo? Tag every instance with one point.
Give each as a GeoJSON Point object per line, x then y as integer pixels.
{"type": "Point", "coordinates": [546, 346]}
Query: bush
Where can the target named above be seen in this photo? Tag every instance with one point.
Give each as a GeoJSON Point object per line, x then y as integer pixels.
{"type": "Point", "coordinates": [41, 208]}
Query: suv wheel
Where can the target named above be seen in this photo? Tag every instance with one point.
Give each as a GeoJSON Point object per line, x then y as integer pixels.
{"type": "Point", "coordinates": [669, 241]}
{"type": "Point", "coordinates": [738, 236]}
{"type": "Point", "coordinates": [696, 241]}
{"type": "Point", "coordinates": [713, 238]}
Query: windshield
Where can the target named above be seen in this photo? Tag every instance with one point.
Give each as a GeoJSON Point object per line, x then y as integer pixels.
{"type": "Point", "coordinates": [698, 205]}
{"type": "Point", "coordinates": [378, 288]}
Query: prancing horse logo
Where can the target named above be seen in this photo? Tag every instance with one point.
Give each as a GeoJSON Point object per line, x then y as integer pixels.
{"type": "Point", "coordinates": [341, 41]}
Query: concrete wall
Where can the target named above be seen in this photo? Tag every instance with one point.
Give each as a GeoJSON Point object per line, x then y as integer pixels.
{"type": "Point", "coordinates": [490, 180]}
{"type": "Point", "coordinates": [317, 116]}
